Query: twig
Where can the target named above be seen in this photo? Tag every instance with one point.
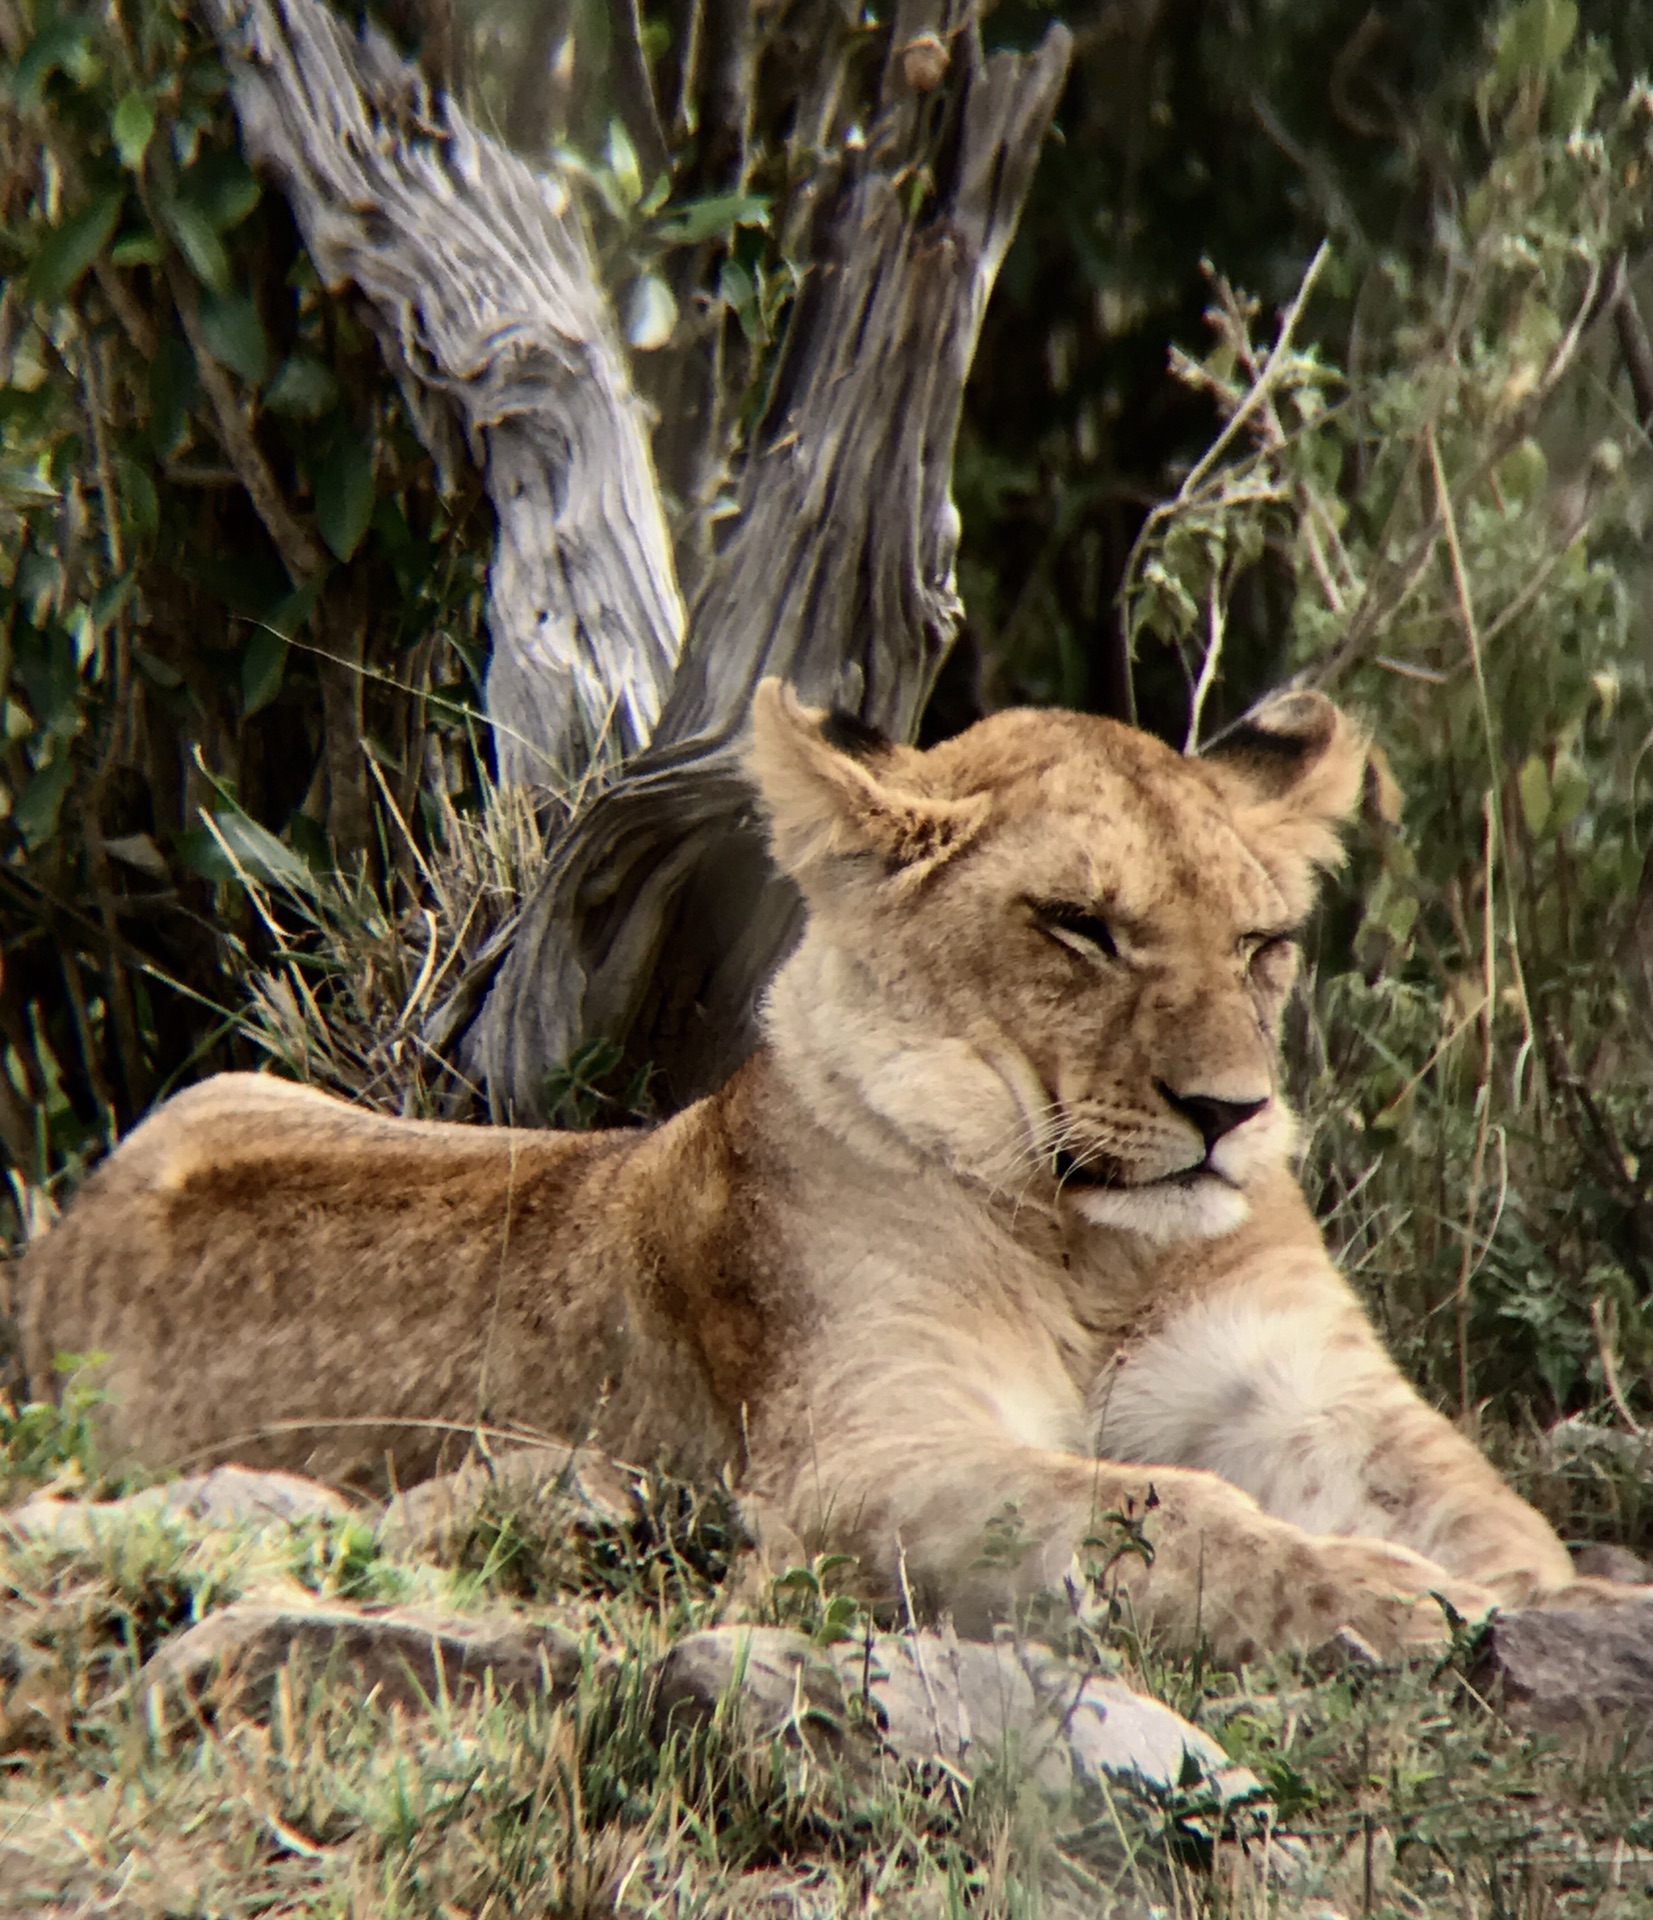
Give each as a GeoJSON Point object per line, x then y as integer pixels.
{"type": "Point", "coordinates": [271, 1429]}
{"type": "Point", "coordinates": [1540, 580]}
{"type": "Point", "coordinates": [134, 322]}
{"type": "Point", "coordinates": [1489, 931]}
{"type": "Point", "coordinates": [1606, 1345]}
{"type": "Point", "coordinates": [299, 553]}
{"type": "Point", "coordinates": [1483, 1121]}
{"type": "Point", "coordinates": [1215, 625]}
{"type": "Point", "coordinates": [1460, 581]}
{"type": "Point", "coordinates": [1377, 608]}
{"type": "Point", "coordinates": [634, 91]}
{"type": "Point", "coordinates": [102, 463]}
{"type": "Point", "coordinates": [1635, 348]}
{"type": "Point", "coordinates": [1242, 415]}
{"type": "Point", "coordinates": [1255, 411]}
{"type": "Point", "coordinates": [918, 1651]}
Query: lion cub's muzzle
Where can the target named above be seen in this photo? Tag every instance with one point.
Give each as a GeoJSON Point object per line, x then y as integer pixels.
{"type": "Point", "coordinates": [1210, 1116]}
{"type": "Point", "coordinates": [1144, 1178]}
{"type": "Point", "coordinates": [1213, 1118]}
{"type": "Point", "coordinates": [1105, 1176]}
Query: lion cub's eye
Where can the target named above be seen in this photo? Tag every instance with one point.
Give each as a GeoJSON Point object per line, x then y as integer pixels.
{"type": "Point", "coordinates": [1263, 953]}
{"type": "Point", "coordinates": [1077, 927]}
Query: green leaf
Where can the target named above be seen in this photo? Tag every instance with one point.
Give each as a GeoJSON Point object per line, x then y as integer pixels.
{"type": "Point", "coordinates": [71, 249]}
{"type": "Point", "coordinates": [65, 46]}
{"type": "Point", "coordinates": [1532, 783]}
{"type": "Point", "coordinates": [172, 389]}
{"type": "Point", "coordinates": [343, 486]}
{"type": "Point", "coordinates": [198, 243]}
{"type": "Point", "coordinates": [735, 289]}
{"type": "Point", "coordinates": [303, 389]}
{"type": "Point", "coordinates": [138, 495]}
{"type": "Point", "coordinates": [292, 610]}
{"type": "Point", "coordinates": [236, 335]}
{"type": "Point", "coordinates": [133, 125]}
{"type": "Point", "coordinates": [263, 662]}
{"type": "Point", "coordinates": [697, 220]}
{"type": "Point", "coordinates": [138, 250]}
{"type": "Point", "coordinates": [1532, 39]}
{"type": "Point", "coordinates": [161, 672]}
{"type": "Point", "coordinates": [49, 674]}
{"type": "Point", "coordinates": [222, 185]}
{"type": "Point", "coordinates": [622, 165]}
{"type": "Point", "coordinates": [107, 604]}
{"type": "Point", "coordinates": [1523, 471]}
{"type": "Point", "coordinates": [651, 313]}
{"type": "Point", "coordinates": [1569, 790]}
{"type": "Point", "coordinates": [25, 483]}
{"type": "Point", "coordinates": [1560, 30]}
{"type": "Point", "coordinates": [41, 801]}
{"type": "Point", "coordinates": [240, 846]}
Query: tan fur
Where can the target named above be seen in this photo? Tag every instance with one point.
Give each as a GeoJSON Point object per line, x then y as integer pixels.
{"type": "Point", "coordinates": [945, 1273]}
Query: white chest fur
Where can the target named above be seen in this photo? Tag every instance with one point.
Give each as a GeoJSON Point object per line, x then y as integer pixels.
{"type": "Point", "coordinates": [1275, 1395]}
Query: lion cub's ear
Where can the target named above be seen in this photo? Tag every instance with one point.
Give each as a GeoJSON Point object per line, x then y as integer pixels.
{"type": "Point", "coordinates": [833, 788]}
{"type": "Point", "coordinates": [1293, 770]}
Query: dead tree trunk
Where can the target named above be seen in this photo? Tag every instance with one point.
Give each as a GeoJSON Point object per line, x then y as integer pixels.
{"type": "Point", "coordinates": [478, 277]}
{"type": "Point", "coordinates": [657, 920]}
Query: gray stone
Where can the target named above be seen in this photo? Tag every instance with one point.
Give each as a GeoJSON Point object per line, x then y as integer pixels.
{"type": "Point", "coordinates": [407, 1656]}
{"type": "Point", "coordinates": [1344, 1652]}
{"type": "Point", "coordinates": [1601, 1562]}
{"type": "Point", "coordinates": [432, 1519]}
{"type": "Point", "coordinates": [228, 1498]}
{"type": "Point", "coordinates": [775, 1682]}
{"type": "Point", "coordinates": [933, 1697]}
{"type": "Point", "coordinates": [1568, 1669]}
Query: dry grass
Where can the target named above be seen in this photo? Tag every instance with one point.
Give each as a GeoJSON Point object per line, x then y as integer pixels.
{"type": "Point", "coordinates": [1412, 1797]}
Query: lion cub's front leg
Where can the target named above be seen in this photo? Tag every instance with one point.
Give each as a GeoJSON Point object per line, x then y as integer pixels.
{"type": "Point", "coordinates": [1223, 1571]}
{"type": "Point", "coordinates": [982, 1524]}
{"type": "Point", "coordinates": [1287, 1394]}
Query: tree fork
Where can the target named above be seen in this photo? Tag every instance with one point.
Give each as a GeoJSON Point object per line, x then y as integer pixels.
{"type": "Point", "coordinates": [657, 919]}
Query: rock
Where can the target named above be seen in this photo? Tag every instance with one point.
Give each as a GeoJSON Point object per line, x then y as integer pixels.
{"type": "Point", "coordinates": [227, 1498]}
{"type": "Point", "coordinates": [432, 1519]}
{"type": "Point", "coordinates": [776, 1681]}
{"type": "Point", "coordinates": [931, 1696]}
{"type": "Point", "coordinates": [1344, 1652]}
{"type": "Point", "coordinates": [406, 1657]}
{"type": "Point", "coordinates": [1111, 1730]}
{"type": "Point", "coordinates": [1567, 1669]}
{"type": "Point", "coordinates": [1601, 1562]}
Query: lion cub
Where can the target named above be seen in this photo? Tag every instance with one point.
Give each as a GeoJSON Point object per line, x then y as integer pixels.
{"type": "Point", "coordinates": [993, 1241]}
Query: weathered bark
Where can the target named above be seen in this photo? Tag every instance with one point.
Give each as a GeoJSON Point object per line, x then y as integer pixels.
{"type": "Point", "coordinates": [658, 918]}
{"type": "Point", "coordinates": [478, 271]}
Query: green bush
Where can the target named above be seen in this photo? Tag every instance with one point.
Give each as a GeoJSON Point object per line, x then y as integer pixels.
{"type": "Point", "coordinates": [1454, 521]}
{"type": "Point", "coordinates": [229, 585]}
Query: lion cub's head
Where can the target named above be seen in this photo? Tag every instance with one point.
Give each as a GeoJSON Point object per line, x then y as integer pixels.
{"type": "Point", "coordinates": [1052, 952]}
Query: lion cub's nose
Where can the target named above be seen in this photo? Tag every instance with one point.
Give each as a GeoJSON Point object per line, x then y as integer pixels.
{"type": "Point", "coordinates": [1213, 1117]}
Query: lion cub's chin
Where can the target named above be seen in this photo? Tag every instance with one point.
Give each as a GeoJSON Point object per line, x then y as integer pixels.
{"type": "Point", "coordinates": [1204, 1208]}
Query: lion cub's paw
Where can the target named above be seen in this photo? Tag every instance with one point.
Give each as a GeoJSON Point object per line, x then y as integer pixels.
{"type": "Point", "coordinates": [1589, 1593]}
{"type": "Point", "coordinates": [1388, 1595]}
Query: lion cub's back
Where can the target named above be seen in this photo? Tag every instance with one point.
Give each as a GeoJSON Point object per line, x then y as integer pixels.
{"type": "Point", "coordinates": [251, 1241]}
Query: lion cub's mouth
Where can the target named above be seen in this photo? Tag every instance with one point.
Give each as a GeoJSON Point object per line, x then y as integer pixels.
{"type": "Point", "coordinates": [1104, 1176]}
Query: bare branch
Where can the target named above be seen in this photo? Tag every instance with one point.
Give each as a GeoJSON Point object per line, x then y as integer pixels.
{"type": "Point", "coordinates": [479, 269]}
{"type": "Point", "coordinates": [299, 553]}
{"type": "Point", "coordinates": [1635, 348]}
{"type": "Point", "coordinates": [634, 90]}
